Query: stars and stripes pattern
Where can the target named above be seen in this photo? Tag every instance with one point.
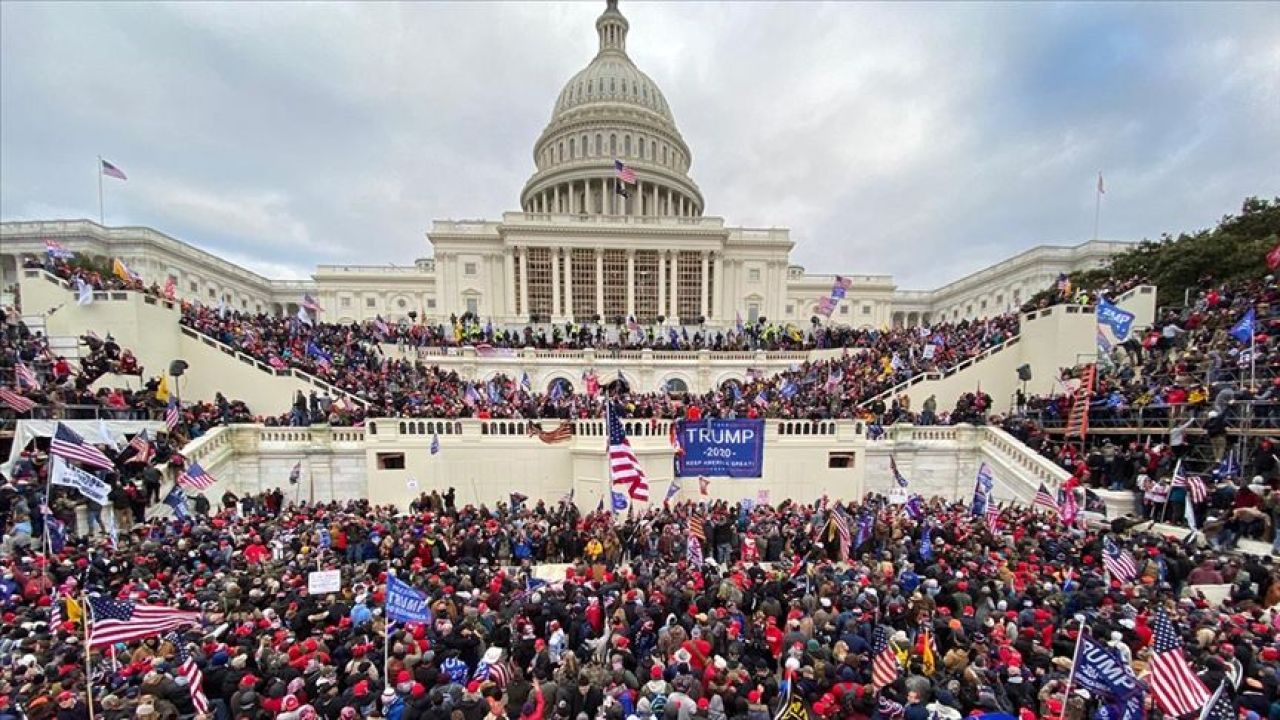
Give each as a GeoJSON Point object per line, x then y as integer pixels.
{"type": "Point", "coordinates": [1177, 688]}
{"type": "Point", "coordinates": [311, 304]}
{"type": "Point", "coordinates": [696, 528]}
{"type": "Point", "coordinates": [897, 476]}
{"type": "Point", "coordinates": [54, 249]}
{"type": "Point", "coordinates": [693, 552]}
{"type": "Point", "coordinates": [1221, 707]}
{"type": "Point", "coordinates": [113, 621]}
{"type": "Point", "coordinates": [196, 478]}
{"type": "Point", "coordinates": [171, 415]}
{"type": "Point", "coordinates": [69, 445]}
{"type": "Point", "coordinates": [624, 173]}
{"type": "Point", "coordinates": [563, 432]}
{"type": "Point", "coordinates": [1194, 484]}
{"type": "Point", "coordinates": [195, 678]}
{"type": "Point", "coordinates": [624, 468]}
{"type": "Point", "coordinates": [25, 377]}
{"type": "Point", "coordinates": [111, 170]}
{"type": "Point", "coordinates": [884, 662]}
{"type": "Point", "coordinates": [1118, 562]}
{"type": "Point", "coordinates": [17, 402]}
{"type": "Point", "coordinates": [841, 522]}
{"type": "Point", "coordinates": [1045, 500]}
{"type": "Point", "coordinates": [143, 451]}
{"type": "Point", "coordinates": [497, 673]}
{"type": "Point", "coordinates": [993, 516]}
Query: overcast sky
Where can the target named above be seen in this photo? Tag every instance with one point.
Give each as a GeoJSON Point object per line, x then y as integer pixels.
{"type": "Point", "coordinates": [921, 140]}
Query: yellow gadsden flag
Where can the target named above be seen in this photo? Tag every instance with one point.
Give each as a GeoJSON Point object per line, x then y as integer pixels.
{"type": "Point", "coordinates": [123, 272]}
{"type": "Point", "coordinates": [162, 392]}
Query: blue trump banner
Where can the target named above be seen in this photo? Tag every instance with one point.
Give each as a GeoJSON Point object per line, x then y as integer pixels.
{"type": "Point", "coordinates": [1113, 317]}
{"type": "Point", "coordinates": [406, 603]}
{"type": "Point", "coordinates": [721, 448]}
{"type": "Point", "coordinates": [1102, 671]}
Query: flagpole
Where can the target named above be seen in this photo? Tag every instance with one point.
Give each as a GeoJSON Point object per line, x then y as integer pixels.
{"type": "Point", "coordinates": [1097, 206]}
{"type": "Point", "coordinates": [101, 213]}
{"type": "Point", "coordinates": [1071, 676]}
{"type": "Point", "coordinates": [85, 607]}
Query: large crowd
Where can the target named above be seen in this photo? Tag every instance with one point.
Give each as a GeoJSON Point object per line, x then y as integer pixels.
{"type": "Point", "coordinates": [768, 616]}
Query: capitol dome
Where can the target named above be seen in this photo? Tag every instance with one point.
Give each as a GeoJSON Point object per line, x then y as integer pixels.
{"type": "Point", "coordinates": [611, 112]}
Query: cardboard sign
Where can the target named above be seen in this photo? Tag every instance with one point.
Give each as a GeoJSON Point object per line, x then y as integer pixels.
{"type": "Point", "coordinates": [324, 581]}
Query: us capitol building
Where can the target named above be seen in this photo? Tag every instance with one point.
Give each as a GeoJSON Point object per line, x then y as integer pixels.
{"type": "Point", "coordinates": [578, 249]}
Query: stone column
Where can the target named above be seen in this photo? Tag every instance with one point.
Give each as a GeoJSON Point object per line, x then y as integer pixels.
{"type": "Point", "coordinates": [653, 210]}
{"type": "Point", "coordinates": [524, 283]}
{"type": "Point", "coordinates": [555, 284]}
{"type": "Point", "coordinates": [555, 205]}
{"type": "Point", "coordinates": [662, 285]}
{"type": "Point", "coordinates": [568, 283]}
{"type": "Point", "coordinates": [600, 283]}
{"type": "Point", "coordinates": [705, 307]}
{"type": "Point", "coordinates": [509, 273]}
{"type": "Point", "coordinates": [717, 302]}
{"type": "Point", "coordinates": [631, 282]}
{"type": "Point", "coordinates": [675, 284]}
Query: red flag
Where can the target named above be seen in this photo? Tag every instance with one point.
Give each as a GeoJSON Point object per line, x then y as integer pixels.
{"type": "Point", "coordinates": [1273, 258]}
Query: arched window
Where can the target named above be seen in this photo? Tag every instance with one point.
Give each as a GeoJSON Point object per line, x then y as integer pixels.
{"type": "Point", "coordinates": [626, 146]}
{"type": "Point", "coordinates": [676, 385]}
{"type": "Point", "coordinates": [591, 87]}
{"type": "Point", "coordinates": [586, 147]}
{"type": "Point", "coordinates": [613, 145]}
{"type": "Point", "coordinates": [640, 149]}
{"type": "Point", "coordinates": [599, 144]}
{"type": "Point", "coordinates": [664, 154]}
{"type": "Point", "coordinates": [624, 87]}
{"type": "Point", "coordinates": [573, 149]}
{"type": "Point", "coordinates": [560, 152]}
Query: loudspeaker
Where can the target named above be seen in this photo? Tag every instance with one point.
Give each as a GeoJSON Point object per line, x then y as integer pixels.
{"type": "Point", "coordinates": [177, 368]}
{"type": "Point", "coordinates": [1024, 373]}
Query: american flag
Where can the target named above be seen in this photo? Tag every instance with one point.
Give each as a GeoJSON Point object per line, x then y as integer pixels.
{"type": "Point", "coordinates": [993, 516]}
{"type": "Point", "coordinates": [497, 673]}
{"type": "Point", "coordinates": [1118, 562]}
{"type": "Point", "coordinates": [563, 432]}
{"type": "Point", "coordinates": [1221, 707]}
{"type": "Point", "coordinates": [113, 621]}
{"type": "Point", "coordinates": [14, 400]}
{"type": "Point", "coordinates": [143, 450]}
{"type": "Point", "coordinates": [1177, 688]}
{"type": "Point", "coordinates": [171, 416]}
{"type": "Point", "coordinates": [68, 444]}
{"type": "Point", "coordinates": [624, 468]}
{"type": "Point", "coordinates": [54, 249]}
{"type": "Point", "coordinates": [195, 678]}
{"type": "Point", "coordinates": [310, 304]}
{"type": "Point", "coordinates": [1194, 484]}
{"type": "Point", "coordinates": [196, 478]}
{"type": "Point", "coordinates": [170, 287]}
{"type": "Point", "coordinates": [26, 377]}
{"type": "Point", "coordinates": [696, 528]}
{"type": "Point", "coordinates": [112, 171]}
{"type": "Point", "coordinates": [884, 662]}
{"type": "Point", "coordinates": [1045, 500]}
{"type": "Point", "coordinates": [625, 174]}
{"type": "Point", "coordinates": [897, 476]}
{"type": "Point", "coordinates": [841, 522]}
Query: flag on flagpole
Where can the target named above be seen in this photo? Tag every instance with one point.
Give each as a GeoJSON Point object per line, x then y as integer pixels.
{"type": "Point", "coordinates": [124, 272]}
{"type": "Point", "coordinates": [624, 467]}
{"type": "Point", "coordinates": [68, 444]}
{"type": "Point", "coordinates": [295, 474]}
{"type": "Point", "coordinates": [196, 478]}
{"type": "Point", "coordinates": [1177, 688]}
{"type": "Point", "coordinates": [171, 414]}
{"type": "Point", "coordinates": [195, 678]}
{"type": "Point", "coordinates": [1118, 562]}
{"type": "Point", "coordinates": [884, 662]}
{"type": "Point", "coordinates": [1102, 189]}
{"type": "Point", "coordinates": [624, 173]}
{"type": "Point", "coordinates": [1045, 500]}
{"type": "Point", "coordinates": [55, 250]}
{"type": "Point", "coordinates": [111, 170]}
{"type": "Point", "coordinates": [25, 377]}
{"type": "Point", "coordinates": [672, 490]}
{"type": "Point", "coordinates": [897, 476]}
{"type": "Point", "coordinates": [115, 621]}
{"type": "Point", "coordinates": [842, 530]}
{"type": "Point", "coordinates": [1244, 329]}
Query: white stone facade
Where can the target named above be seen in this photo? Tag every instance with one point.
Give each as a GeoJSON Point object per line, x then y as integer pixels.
{"type": "Point", "coordinates": [578, 249]}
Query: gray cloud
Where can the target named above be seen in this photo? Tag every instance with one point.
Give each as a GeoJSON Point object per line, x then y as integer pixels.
{"type": "Point", "coordinates": [922, 140]}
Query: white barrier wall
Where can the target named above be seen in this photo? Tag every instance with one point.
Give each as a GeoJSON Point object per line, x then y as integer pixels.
{"type": "Point", "coordinates": [390, 461]}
